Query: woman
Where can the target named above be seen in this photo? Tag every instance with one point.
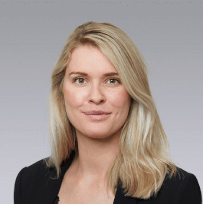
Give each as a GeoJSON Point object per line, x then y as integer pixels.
{"type": "Point", "coordinates": [107, 142]}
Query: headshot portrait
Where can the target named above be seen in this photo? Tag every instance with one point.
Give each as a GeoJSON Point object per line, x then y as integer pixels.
{"type": "Point", "coordinates": [121, 117]}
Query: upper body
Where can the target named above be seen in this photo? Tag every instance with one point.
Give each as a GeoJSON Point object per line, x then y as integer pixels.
{"type": "Point", "coordinates": [102, 108]}
{"type": "Point", "coordinates": [35, 185]}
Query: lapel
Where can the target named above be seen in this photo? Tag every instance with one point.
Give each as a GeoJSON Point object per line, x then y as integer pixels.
{"type": "Point", "coordinates": [120, 197]}
{"type": "Point", "coordinates": [52, 187]}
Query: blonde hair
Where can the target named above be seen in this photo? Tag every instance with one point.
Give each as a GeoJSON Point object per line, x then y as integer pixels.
{"type": "Point", "coordinates": [143, 160]}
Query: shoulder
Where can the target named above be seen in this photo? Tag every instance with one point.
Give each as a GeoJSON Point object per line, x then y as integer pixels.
{"type": "Point", "coordinates": [183, 187]}
{"type": "Point", "coordinates": [181, 181]}
{"type": "Point", "coordinates": [30, 177]}
{"type": "Point", "coordinates": [38, 169]}
{"type": "Point", "coordinates": [38, 181]}
{"type": "Point", "coordinates": [34, 182]}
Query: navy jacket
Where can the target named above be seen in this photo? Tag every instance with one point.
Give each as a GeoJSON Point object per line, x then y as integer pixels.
{"type": "Point", "coordinates": [34, 185]}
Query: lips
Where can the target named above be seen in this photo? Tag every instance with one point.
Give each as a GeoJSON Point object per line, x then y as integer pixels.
{"type": "Point", "coordinates": [99, 112]}
{"type": "Point", "coordinates": [97, 116]}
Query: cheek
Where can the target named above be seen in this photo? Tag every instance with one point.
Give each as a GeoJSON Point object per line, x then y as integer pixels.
{"type": "Point", "coordinates": [121, 105]}
{"type": "Point", "coordinates": [66, 93]}
{"type": "Point", "coordinates": [121, 99]}
{"type": "Point", "coordinates": [73, 98]}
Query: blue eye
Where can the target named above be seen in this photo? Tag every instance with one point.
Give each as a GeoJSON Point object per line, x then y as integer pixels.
{"type": "Point", "coordinates": [79, 79]}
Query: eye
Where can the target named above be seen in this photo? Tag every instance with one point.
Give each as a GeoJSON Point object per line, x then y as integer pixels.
{"type": "Point", "coordinates": [79, 80]}
{"type": "Point", "coordinates": [114, 81]}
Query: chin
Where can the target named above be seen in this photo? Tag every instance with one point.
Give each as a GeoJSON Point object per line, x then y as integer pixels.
{"type": "Point", "coordinates": [99, 135]}
{"type": "Point", "coordinates": [96, 134]}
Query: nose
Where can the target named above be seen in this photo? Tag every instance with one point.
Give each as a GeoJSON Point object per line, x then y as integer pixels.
{"type": "Point", "coordinates": [96, 95]}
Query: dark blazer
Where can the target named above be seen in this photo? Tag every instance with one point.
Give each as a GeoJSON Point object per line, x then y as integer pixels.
{"type": "Point", "coordinates": [33, 185]}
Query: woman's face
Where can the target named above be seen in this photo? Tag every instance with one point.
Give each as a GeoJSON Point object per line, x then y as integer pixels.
{"type": "Point", "coordinates": [92, 84]}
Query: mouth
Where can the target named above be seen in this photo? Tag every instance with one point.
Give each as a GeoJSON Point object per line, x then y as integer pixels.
{"type": "Point", "coordinates": [97, 115]}
{"type": "Point", "coordinates": [99, 112]}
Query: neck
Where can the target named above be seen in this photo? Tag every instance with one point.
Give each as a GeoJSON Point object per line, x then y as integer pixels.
{"type": "Point", "coordinates": [95, 157]}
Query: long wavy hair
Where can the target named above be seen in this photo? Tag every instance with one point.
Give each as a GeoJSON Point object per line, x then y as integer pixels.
{"type": "Point", "coordinates": [143, 160]}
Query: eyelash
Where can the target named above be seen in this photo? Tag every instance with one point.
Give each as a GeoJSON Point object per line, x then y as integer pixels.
{"type": "Point", "coordinates": [75, 79]}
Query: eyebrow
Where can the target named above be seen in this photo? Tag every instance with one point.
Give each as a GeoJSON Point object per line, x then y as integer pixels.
{"type": "Point", "coordinates": [85, 74]}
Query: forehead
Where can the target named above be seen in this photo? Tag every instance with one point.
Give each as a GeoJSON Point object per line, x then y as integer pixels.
{"type": "Point", "coordinates": [87, 57]}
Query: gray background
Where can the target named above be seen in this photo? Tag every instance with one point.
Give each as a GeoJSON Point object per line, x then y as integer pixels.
{"type": "Point", "coordinates": [169, 35]}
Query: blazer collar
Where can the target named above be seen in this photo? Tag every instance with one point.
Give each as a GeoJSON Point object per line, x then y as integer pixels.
{"type": "Point", "coordinates": [55, 184]}
{"type": "Point", "coordinates": [50, 185]}
{"type": "Point", "coordinates": [120, 197]}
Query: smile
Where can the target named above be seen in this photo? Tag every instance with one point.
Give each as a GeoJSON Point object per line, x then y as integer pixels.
{"type": "Point", "coordinates": [97, 117]}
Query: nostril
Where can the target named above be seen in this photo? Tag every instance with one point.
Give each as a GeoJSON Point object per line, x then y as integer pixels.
{"type": "Point", "coordinates": [101, 101]}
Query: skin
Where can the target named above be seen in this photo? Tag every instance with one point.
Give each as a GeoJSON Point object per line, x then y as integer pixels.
{"type": "Point", "coordinates": [94, 92]}
{"type": "Point", "coordinates": [98, 140]}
